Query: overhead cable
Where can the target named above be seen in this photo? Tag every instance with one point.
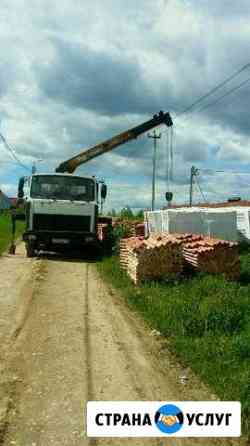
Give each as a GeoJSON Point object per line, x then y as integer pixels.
{"type": "Point", "coordinates": [12, 152]}
{"type": "Point", "coordinates": [224, 95]}
{"type": "Point", "coordinates": [214, 89]}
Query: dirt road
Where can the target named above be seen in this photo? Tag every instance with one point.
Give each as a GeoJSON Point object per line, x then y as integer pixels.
{"type": "Point", "coordinates": [65, 339]}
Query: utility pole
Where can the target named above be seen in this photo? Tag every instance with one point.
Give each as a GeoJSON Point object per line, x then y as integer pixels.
{"type": "Point", "coordinates": [34, 169]}
{"type": "Point", "coordinates": [194, 172]}
{"type": "Point", "coordinates": [155, 137]}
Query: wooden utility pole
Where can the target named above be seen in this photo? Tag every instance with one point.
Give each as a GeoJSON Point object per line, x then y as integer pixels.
{"type": "Point", "coordinates": [194, 172]}
{"type": "Point", "coordinates": [155, 137]}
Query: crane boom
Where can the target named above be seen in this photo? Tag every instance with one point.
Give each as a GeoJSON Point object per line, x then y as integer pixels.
{"type": "Point", "coordinates": [83, 157]}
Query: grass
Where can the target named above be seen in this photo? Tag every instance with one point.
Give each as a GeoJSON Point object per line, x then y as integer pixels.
{"type": "Point", "coordinates": [206, 320]}
{"type": "Point", "coordinates": [5, 231]}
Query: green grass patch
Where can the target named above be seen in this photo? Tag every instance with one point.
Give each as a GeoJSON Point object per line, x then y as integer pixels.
{"type": "Point", "coordinates": [5, 231]}
{"type": "Point", "coordinates": [207, 321]}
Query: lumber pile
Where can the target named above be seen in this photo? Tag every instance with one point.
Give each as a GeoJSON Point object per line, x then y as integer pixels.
{"type": "Point", "coordinates": [213, 256]}
{"type": "Point", "coordinates": [151, 259]}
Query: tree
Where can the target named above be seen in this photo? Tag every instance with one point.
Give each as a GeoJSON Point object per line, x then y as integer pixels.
{"type": "Point", "coordinates": [127, 212]}
{"type": "Point", "coordinates": [140, 215]}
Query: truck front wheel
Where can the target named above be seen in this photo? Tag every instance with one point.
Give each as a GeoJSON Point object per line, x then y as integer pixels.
{"type": "Point", "coordinates": [30, 250]}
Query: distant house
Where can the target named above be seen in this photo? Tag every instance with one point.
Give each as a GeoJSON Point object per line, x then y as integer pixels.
{"type": "Point", "coordinates": [13, 201]}
{"type": "Point", "coordinates": [5, 203]}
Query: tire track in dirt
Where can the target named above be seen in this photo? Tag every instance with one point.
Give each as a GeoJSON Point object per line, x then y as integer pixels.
{"type": "Point", "coordinates": [88, 357]}
{"type": "Point", "coordinates": [27, 295]}
{"type": "Point", "coordinates": [9, 380]}
{"type": "Point", "coordinates": [88, 360]}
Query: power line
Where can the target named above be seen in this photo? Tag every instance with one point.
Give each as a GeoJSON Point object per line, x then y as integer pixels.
{"type": "Point", "coordinates": [242, 84]}
{"type": "Point", "coordinates": [212, 171]}
{"type": "Point", "coordinates": [196, 172]}
{"type": "Point", "coordinates": [200, 189]}
{"type": "Point", "coordinates": [214, 89]}
{"type": "Point", "coordinates": [12, 151]}
{"type": "Point", "coordinates": [224, 95]}
{"type": "Point", "coordinates": [209, 93]}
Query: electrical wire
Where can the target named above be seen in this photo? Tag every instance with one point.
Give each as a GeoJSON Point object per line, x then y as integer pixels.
{"type": "Point", "coordinates": [200, 189]}
{"type": "Point", "coordinates": [220, 98]}
{"type": "Point", "coordinates": [212, 171]}
{"type": "Point", "coordinates": [12, 152]}
{"type": "Point", "coordinates": [214, 89]}
{"type": "Point", "coordinates": [238, 87]}
{"type": "Point", "coordinates": [192, 106]}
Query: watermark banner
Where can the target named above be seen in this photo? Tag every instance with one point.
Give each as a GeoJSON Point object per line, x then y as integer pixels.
{"type": "Point", "coordinates": [163, 419]}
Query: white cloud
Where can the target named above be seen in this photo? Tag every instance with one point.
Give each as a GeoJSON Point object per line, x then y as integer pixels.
{"type": "Point", "coordinates": [138, 57]}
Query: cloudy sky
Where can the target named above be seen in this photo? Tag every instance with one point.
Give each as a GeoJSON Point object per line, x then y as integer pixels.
{"type": "Point", "coordinates": [75, 72]}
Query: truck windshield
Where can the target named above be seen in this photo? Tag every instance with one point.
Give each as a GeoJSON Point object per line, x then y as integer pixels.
{"type": "Point", "coordinates": [62, 187]}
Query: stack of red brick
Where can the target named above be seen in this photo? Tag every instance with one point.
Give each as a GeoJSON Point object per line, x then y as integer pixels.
{"type": "Point", "coordinates": [127, 244]}
{"type": "Point", "coordinates": [140, 230]}
{"type": "Point", "coordinates": [151, 259]}
{"type": "Point", "coordinates": [213, 256]}
{"type": "Point", "coordinates": [164, 255]}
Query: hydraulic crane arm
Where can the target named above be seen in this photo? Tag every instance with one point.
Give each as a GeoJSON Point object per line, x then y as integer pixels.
{"type": "Point", "coordinates": [83, 157]}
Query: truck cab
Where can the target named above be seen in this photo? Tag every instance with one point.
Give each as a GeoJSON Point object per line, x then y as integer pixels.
{"type": "Point", "coordinates": [61, 212]}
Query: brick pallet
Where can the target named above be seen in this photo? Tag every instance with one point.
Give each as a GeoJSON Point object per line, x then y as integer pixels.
{"type": "Point", "coordinates": [213, 256]}
{"type": "Point", "coordinates": [150, 259]}
{"type": "Point", "coordinates": [124, 244]}
{"type": "Point", "coordinates": [140, 230]}
{"type": "Point", "coordinates": [163, 255]}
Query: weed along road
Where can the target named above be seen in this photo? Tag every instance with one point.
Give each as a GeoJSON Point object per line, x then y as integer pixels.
{"type": "Point", "coordinates": [67, 338]}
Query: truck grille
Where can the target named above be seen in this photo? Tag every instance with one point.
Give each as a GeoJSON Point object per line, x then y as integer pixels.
{"type": "Point", "coordinates": [47, 222]}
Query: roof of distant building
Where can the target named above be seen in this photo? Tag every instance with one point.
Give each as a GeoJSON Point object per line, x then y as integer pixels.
{"type": "Point", "coordinates": [224, 204]}
{"type": "Point", "coordinates": [4, 201]}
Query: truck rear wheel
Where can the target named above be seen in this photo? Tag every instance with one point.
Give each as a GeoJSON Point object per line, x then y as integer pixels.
{"type": "Point", "coordinates": [30, 250]}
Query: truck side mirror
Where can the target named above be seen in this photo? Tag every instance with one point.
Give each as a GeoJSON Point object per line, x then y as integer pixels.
{"type": "Point", "coordinates": [104, 191]}
{"type": "Point", "coordinates": [20, 193]}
